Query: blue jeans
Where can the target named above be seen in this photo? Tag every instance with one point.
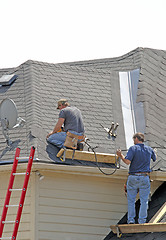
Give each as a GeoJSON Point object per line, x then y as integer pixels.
{"type": "Point", "coordinates": [137, 183]}
{"type": "Point", "coordinates": [59, 138]}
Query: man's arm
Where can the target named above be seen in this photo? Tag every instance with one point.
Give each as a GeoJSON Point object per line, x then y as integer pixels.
{"type": "Point", "coordinates": [154, 154]}
{"type": "Point", "coordinates": [57, 126]}
{"type": "Point", "coordinates": [119, 153]}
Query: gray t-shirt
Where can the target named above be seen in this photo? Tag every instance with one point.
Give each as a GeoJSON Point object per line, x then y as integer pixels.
{"type": "Point", "coordinates": [73, 119]}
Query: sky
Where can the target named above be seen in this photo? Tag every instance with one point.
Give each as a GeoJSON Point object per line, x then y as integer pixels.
{"type": "Point", "coordinates": [57, 31]}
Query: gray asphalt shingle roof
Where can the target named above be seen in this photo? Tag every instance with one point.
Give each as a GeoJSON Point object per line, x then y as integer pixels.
{"type": "Point", "coordinates": [92, 86]}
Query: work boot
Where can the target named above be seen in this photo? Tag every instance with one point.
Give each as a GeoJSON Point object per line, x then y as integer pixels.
{"type": "Point", "coordinates": [80, 146]}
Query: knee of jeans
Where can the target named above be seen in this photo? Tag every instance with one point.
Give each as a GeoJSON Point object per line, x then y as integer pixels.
{"type": "Point", "coordinates": [52, 138]}
{"type": "Point", "coordinates": [49, 138]}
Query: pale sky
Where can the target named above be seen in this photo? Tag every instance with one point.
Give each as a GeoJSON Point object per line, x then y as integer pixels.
{"type": "Point", "coordinates": [57, 31]}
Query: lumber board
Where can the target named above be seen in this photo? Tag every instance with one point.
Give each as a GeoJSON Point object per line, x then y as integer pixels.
{"type": "Point", "coordinates": [138, 228]}
{"type": "Point", "coordinates": [159, 214]}
{"type": "Point", "coordinates": [90, 156]}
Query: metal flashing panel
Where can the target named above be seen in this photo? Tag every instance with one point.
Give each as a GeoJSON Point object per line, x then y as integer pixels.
{"type": "Point", "coordinates": [7, 80]}
{"type": "Point", "coordinates": [133, 112]}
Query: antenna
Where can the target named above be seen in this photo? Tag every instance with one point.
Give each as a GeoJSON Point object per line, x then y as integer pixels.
{"type": "Point", "coordinates": [9, 118]}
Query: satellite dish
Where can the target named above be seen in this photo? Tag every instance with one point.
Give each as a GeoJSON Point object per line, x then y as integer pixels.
{"type": "Point", "coordinates": [9, 118]}
{"type": "Point", "coordinates": [8, 113]}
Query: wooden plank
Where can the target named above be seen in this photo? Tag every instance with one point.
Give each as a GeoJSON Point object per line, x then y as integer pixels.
{"type": "Point", "coordinates": [138, 228]}
{"type": "Point", "coordinates": [159, 214]}
{"type": "Point", "coordinates": [90, 156]}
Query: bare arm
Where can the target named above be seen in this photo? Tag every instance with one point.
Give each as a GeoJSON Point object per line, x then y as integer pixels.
{"type": "Point", "coordinates": [119, 153]}
{"type": "Point", "coordinates": [57, 126]}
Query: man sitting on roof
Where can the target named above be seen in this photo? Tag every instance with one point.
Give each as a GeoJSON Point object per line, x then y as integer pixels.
{"type": "Point", "coordinates": [71, 118]}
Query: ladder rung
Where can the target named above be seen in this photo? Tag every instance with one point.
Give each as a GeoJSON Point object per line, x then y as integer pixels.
{"type": "Point", "coordinates": [6, 238]}
{"type": "Point", "coordinates": [14, 189]}
{"type": "Point", "coordinates": [22, 158]}
{"type": "Point", "coordinates": [19, 173]}
{"type": "Point", "coordinates": [12, 205]}
{"type": "Point", "coordinates": [8, 222]}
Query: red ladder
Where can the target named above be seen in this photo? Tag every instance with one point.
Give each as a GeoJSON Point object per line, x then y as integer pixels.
{"type": "Point", "coordinates": [9, 191]}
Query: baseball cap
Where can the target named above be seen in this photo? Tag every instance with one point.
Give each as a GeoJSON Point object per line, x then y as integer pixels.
{"type": "Point", "coordinates": [61, 101]}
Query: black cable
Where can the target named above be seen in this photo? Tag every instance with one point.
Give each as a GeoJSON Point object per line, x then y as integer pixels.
{"type": "Point", "coordinates": [98, 163]}
{"type": "Point", "coordinates": [101, 169]}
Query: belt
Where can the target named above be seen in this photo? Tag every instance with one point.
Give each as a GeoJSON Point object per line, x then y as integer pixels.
{"type": "Point", "coordinates": [140, 174]}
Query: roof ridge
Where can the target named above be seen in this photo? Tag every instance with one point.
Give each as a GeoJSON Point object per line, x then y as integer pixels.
{"type": "Point", "coordinates": [68, 67]}
{"type": "Point", "coordinates": [132, 52]}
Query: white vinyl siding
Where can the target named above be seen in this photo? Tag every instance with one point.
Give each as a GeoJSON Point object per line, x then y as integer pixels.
{"type": "Point", "coordinates": [79, 207]}
{"type": "Point", "coordinates": [69, 205]}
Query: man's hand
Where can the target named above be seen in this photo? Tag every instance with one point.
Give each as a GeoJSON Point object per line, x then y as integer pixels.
{"type": "Point", "coordinates": [58, 127]}
{"type": "Point", "coordinates": [119, 153]}
{"type": "Point", "coordinates": [49, 134]}
{"type": "Point", "coordinates": [155, 151]}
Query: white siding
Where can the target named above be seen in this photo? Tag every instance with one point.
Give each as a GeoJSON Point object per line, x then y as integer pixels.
{"type": "Point", "coordinates": [66, 206]}
{"type": "Point", "coordinates": [75, 207]}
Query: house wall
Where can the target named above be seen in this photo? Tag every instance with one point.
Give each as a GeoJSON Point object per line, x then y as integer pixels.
{"type": "Point", "coordinates": [75, 205]}
{"type": "Point", "coordinates": [78, 207]}
{"type": "Point", "coordinates": [67, 204]}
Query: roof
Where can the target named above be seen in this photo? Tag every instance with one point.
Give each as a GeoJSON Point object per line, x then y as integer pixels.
{"type": "Point", "coordinates": [93, 87]}
{"type": "Point", "coordinates": [157, 200]}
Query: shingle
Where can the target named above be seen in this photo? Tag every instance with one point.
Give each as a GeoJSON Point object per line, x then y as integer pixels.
{"type": "Point", "coordinates": [95, 85]}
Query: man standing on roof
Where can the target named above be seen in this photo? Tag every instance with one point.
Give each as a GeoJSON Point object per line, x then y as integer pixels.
{"type": "Point", "coordinates": [138, 157]}
{"type": "Point", "coordinates": [70, 117]}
